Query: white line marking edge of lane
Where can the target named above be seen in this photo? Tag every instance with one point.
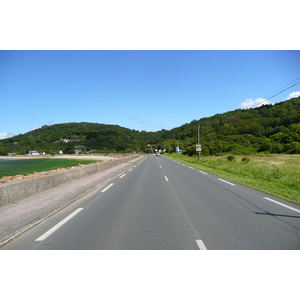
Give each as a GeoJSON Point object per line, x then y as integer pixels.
{"type": "Point", "coordinates": [122, 175]}
{"type": "Point", "coordinates": [201, 245]}
{"type": "Point", "coordinates": [166, 178]}
{"type": "Point", "coordinates": [104, 190]}
{"type": "Point", "coordinates": [284, 205]}
{"type": "Point", "coordinates": [203, 172]}
{"type": "Point", "coordinates": [58, 225]}
{"type": "Point", "coordinates": [226, 181]}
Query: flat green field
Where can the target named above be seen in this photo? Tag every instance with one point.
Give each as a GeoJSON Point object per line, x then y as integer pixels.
{"type": "Point", "coordinates": [13, 167]}
{"type": "Point", "coordinates": [277, 175]}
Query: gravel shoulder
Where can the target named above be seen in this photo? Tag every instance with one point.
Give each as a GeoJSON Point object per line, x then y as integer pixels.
{"type": "Point", "coordinates": [19, 217]}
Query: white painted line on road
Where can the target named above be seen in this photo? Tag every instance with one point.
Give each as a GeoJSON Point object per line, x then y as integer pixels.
{"type": "Point", "coordinates": [203, 172]}
{"type": "Point", "coordinates": [129, 170]}
{"type": "Point", "coordinates": [104, 190]}
{"type": "Point", "coordinates": [166, 178]}
{"type": "Point", "coordinates": [122, 176]}
{"type": "Point", "coordinates": [191, 167]}
{"type": "Point", "coordinates": [58, 225]}
{"type": "Point", "coordinates": [160, 166]}
{"type": "Point", "coordinates": [226, 181]}
{"type": "Point", "coordinates": [279, 203]}
{"type": "Point", "coordinates": [201, 245]}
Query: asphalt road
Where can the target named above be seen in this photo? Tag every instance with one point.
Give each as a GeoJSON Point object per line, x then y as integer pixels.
{"type": "Point", "coordinates": [162, 204]}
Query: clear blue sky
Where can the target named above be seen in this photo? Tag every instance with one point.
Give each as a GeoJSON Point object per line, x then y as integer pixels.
{"type": "Point", "coordinates": [142, 90]}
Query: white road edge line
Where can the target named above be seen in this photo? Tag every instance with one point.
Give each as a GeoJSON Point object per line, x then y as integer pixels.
{"type": "Point", "coordinates": [58, 225]}
{"type": "Point", "coordinates": [279, 203]}
{"type": "Point", "coordinates": [191, 167]}
{"type": "Point", "coordinates": [129, 170]}
{"type": "Point", "coordinates": [104, 190]}
{"type": "Point", "coordinates": [201, 245]}
{"type": "Point", "coordinates": [122, 176]}
{"type": "Point", "coordinates": [203, 172]}
{"type": "Point", "coordinates": [226, 181]}
{"type": "Point", "coordinates": [166, 178]}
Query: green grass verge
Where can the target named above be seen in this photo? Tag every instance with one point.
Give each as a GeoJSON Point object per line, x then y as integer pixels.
{"type": "Point", "coordinates": [279, 179]}
{"type": "Point", "coordinates": [29, 166]}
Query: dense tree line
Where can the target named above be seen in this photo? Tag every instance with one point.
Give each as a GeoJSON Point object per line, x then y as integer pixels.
{"type": "Point", "coordinates": [268, 129]}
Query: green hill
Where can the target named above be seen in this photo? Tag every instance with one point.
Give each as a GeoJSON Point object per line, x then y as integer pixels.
{"type": "Point", "coordinates": [67, 136]}
{"type": "Point", "coordinates": [269, 129]}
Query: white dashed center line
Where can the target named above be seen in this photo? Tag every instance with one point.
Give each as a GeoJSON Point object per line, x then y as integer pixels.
{"type": "Point", "coordinates": [201, 245]}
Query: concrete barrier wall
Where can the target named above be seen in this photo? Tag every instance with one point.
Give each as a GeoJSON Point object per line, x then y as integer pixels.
{"type": "Point", "coordinates": [11, 192]}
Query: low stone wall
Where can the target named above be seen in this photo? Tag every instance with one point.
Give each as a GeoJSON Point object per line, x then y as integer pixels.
{"type": "Point", "coordinates": [15, 191]}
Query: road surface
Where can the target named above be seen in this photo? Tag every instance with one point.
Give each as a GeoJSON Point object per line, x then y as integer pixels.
{"type": "Point", "coordinates": [163, 204]}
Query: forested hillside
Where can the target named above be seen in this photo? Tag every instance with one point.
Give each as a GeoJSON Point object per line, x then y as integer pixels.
{"type": "Point", "coordinates": [68, 136]}
{"type": "Point", "coordinates": [270, 128]}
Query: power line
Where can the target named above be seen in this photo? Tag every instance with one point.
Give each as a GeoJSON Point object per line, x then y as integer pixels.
{"type": "Point", "coordinates": [284, 90]}
{"type": "Point", "coordinates": [282, 87]}
{"type": "Point", "coordinates": [270, 97]}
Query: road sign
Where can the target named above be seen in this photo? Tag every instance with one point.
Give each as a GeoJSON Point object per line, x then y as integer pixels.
{"type": "Point", "coordinates": [198, 147]}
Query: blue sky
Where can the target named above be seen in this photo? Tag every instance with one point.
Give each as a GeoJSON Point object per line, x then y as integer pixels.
{"type": "Point", "coordinates": [141, 90]}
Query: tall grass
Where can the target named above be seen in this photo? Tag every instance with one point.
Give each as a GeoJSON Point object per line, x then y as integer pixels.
{"type": "Point", "coordinates": [278, 179]}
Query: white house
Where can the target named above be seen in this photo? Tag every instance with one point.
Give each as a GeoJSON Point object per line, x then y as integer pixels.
{"type": "Point", "coordinates": [33, 153]}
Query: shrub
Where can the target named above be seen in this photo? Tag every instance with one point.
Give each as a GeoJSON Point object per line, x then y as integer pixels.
{"type": "Point", "coordinates": [245, 160]}
{"type": "Point", "coordinates": [230, 157]}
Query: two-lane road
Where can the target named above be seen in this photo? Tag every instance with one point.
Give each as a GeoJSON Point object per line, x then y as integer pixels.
{"type": "Point", "coordinates": [163, 204]}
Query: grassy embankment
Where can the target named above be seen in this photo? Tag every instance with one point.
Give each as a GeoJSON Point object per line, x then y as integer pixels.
{"type": "Point", "coordinates": [274, 174]}
{"type": "Point", "coordinates": [29, 166]}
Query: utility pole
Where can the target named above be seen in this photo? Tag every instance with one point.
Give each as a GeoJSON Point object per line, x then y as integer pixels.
{"type": "Point", "coordinates": [198, 146]}
{"type": "Point", "coordinates": [198, 140]}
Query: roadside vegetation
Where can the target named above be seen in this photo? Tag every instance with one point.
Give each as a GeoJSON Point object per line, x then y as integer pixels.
{"type": "Point", "coordinates": [277, 175]}
{"type": "Point", "coordinates": [14, 167]}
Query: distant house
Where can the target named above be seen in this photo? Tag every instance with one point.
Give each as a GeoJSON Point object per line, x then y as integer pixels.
{"type": "Point", "coordinates": [33, 153]}
{"type": "Point", "coordinates": [80, 149]}
{"type": "Point", "coordinates": [12, 154]}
